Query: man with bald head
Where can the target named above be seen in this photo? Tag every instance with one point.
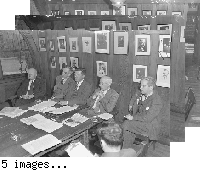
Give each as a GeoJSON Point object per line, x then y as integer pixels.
{"type": "Point", "coordinates": [104, 98]}
{"type": "Point", "coordinates": [31, 89]}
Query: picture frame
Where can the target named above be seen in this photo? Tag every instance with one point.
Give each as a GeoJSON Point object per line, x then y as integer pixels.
{"type": "Point", "coordinates": [79, 12]}
{"type": "Point", "coordinates": [142, 45]}
{"type": "Point", "coordinates": [62, 62]}
{"type": "Point", "coordinates": [102, 41]}
{"type": "Point", "coordinates": [120, 42]}
{"type": "Point", "coordinates": [73, 44]}
{"type": "Point", "coordinates": [53, 62]}
{"type": "Point", "coordinates": [144, 27]}
{"type": "Point", "coordinates": [74, 62]}
{"type": "Point", "coordinates": [52, 45]}
{"type": "Point", "coordinates": [61, 44]}
{"type": "Point", "coordinates": [42, 44]}
{"type": "Point", "coordinates": [163, 76]}
{"type": "Point", "coordinates": [164, 45]}
{"type": "Point", "coordinates": [165, 27]}
{"type": "Point", "coordinates": [182, 37]}
{"type": "Point", "coordinates": [139, 71]}
{"type": "Point", "coordinates": [176, 13]}
{"type": "Point", "coordinates": [66, 13]}
{"type": "Point", "coordinates": [55, 12]}
{"type": "Point", "coordinates": [92, 13]}
{"type": "Point", "coordinates": [94, 29]}
{"type": "Point", "coordinates": [125, 26]}
{"type": "Point", "coordinates": [87, 44]}
{"type": "Point", "coordinates": [132, 11]}
{"type": "Point", "coordinates": [102, 69]}
{"type": "Point", "coordinates": [146, 12]}
{"type": "Point", "coordinates": [108, 25]}
{"type": "Point", "coordinates": [158, 13]}
{"type": "Point", "coordinates": [119, 11]}
{"type": "Point", "coordinates": [104, 12]}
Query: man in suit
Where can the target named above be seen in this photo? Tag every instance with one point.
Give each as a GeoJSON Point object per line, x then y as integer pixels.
{"type": "Point", "coordinates": [31, 89]}
{"type": "Point", "coordinates": [146, 108]}
{"type": "Point", "coordinates": [81, 92]}
{"type": "Point", "coordinates": [65, 85]}
{"type": "Point", "coordinates": [104, 98]}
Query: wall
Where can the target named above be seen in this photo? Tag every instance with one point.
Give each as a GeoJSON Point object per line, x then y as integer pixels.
{"type": "Point", "coordinates": [197, 39]}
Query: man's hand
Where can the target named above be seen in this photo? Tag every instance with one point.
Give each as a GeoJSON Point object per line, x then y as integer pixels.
{"type": "Point", "coordinates": [63, 103]}
{"type": "Point", "coordinates": [129, 117]}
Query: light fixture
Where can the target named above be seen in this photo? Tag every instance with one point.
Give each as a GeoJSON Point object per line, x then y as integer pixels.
{"type": "Point", "coordinates": [118, 3]}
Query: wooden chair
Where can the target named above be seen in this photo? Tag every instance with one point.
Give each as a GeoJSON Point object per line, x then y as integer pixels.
{"type": "Point", "coordinates": [189, 102]}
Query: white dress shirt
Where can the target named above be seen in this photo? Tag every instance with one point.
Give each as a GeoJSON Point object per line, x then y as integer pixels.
{"type": "Point", "coordinates": [97, 98]}
{"type": "Point", "coordinates": [79, 84]}
{"type": "Point", "coordinates": [29, 85]}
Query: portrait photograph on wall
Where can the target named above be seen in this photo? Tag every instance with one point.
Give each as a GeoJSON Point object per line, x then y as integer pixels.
{"type": "Point", "coordinates": [161, 13]}
{"type": "Point", "coordinates": [176, 13]}
{"type": "Point", "coordinates": [132, 11]}
{"type": "Point", "coordinates": [42, 44]}
{"type": "Point", "coordinates": [53, 61]}
{"type": "Point", "coordinates": [139, 71]}
{"type": "Point", "coordinates": [92, 13]}
{"type": "Point", "coordinates": [144, 27]}
{"type": "Point", "coordinates": [74, 61]}
{"type": "Point", "coordinates": [79, 12]}
{"type": "Point", "coordinates": [73, 43]}
{"type": "Point", "coordinates": [165, 27]}
{"type": "Point", "coordinates": [62, 62]}
{"type": "Point", "coordinates": [146, 12]}
{"type": "Point", "coordinates": [163, 76]}
{"type": "Point", "coordinates": [142, 45]}
{"type": "Point", "coordinates": [108, 25]}
{"type": "Point", "coordinates": [125, 26]}
{"type": "Point", "coordinates": [87, 45]}
{"type": "Point", "coordinates": [52, 45]}
{"type": "Point", "coordinates": [102, 41]}
{"type": "Point", "coordinates": [119, 11]}
{"type": "Point", "coordinates": [104, 12]}
{"type": "Point", "coordinates": [61, 44]}
{"type": "Point", "coordinates": [164, 45]}
{"type": "Point", "coordinates": [67, 13]}
{"type": "Point", "coordinates": [101, 68]}
{"type": "Point", "coordinates": [120, 42]}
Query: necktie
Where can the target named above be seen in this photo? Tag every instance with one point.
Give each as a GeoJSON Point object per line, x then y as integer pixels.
{"type": "Point", "coordinates": [30, 87]}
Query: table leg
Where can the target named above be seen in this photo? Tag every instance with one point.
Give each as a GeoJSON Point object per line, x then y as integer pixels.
{"type": "Point", "coordinates": [85, 139]}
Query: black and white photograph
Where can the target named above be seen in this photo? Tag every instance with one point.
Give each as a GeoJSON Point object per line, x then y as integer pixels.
{"type": "Point", "coordinates": [79, 12]}
{"type": "Point", "coordinates": [53, 61]}
{"type": "Point", "coordinates": [105, 13]}
{"type": "Point", "coordinates": [108, 25]}
{"type": "Point", "coordinates": [125, 26]}
{"type": "Point", "coordinates": [146, 13]}
{"type": "Point", "coordinates": [144, 27]}
{"type": "Point", "coordinates": [101, 68]}
{"type": "Point", "coordinates": [164, 45]}
{"type": "Point", "coordinates": [73, 42]}
{"type": "Point", "coordinates": [67, 13]}
{"type": "Point", "coordinates": [102, 41]}
{"type": "Point", "coordinates": [42, 44]}
{"type": "Point", "coordinates": [176, 13]}
{"type": "Point", "coordinates": [119, 11]}
{"type": "Point", "coordinates": [52, 45]}
{"type": "Point", "coordinates": [132, 11]}
{"type": "Point", "coordinates": [161, 13]}
{"type": "Point", "coordinates": [139, 71]}
{"type": "Point", "coordinates": [163, 76]}
{"type": "Point", "coordinates": [92, 13]}
{"type": "Point", "coordinates": [61, 44]}
{"type": "Point", "coordinates": [120, 42]}
{"type": "Point", "coordinates": [87, 44]}
{"type": "Point", "coordinates": [142, 44]}
{"type": "Point", "coordinates": [74, 62]}
{"type": "Point", "coordinates": [62, 62]}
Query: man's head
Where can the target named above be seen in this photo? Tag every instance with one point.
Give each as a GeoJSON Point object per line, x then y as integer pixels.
{"type": "Point", "coordinates": [66, 72]}
{"type": "Point", "coordinates": [32, 73]}
{"type": "Point", "coordinates": [147, 85]}
{"type": "Point", "coordinates": [105, 82]}
{"type": "Point", "coordinates": [79, 74]}
{"type": "Point", "coordinates": [111, 136]}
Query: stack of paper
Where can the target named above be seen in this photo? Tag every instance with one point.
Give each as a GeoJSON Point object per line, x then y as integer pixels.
{"type": "Point", "coordinates": [12, 112]}
{"type": "Point", "coordinates": [105, 116]}
{"type": "Point", "coordinates": [63, 109]}
{"type": "Point", "coordinates": [43, 105]}
{"type": "Point", "coordinates": [41, 144]}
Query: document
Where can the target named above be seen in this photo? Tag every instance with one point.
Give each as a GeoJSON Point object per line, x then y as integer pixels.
{"type": "Point", "coordinates": [63, 109]}
{"type": "Point", "coordinates": [42, 106]}
{"type": "Point", "coordinates": [105, 116]}
{"type": "Point", "coordinates": [12, 112]}
{"type": "Point", "coordinates": [41, 144]}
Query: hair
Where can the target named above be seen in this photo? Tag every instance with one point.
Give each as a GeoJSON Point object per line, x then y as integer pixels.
{"type": "Point", "coordinates": [150, 81]}
{"type": "Point", "coordinates": [35, 71]}
{"type": "Point", "coordinates": [111, 133]}
{"type": "Point", "coordinates": [83, 70]}
{"type": "Point", "coordinates": [108, 79]}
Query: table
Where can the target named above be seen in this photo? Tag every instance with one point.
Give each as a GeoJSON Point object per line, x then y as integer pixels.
{"type": "Point", "coordinates": [26, 133]}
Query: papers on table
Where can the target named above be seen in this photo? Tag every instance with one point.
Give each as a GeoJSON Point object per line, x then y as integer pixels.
{"type": "Point", "coordinates": [42, 106]}
{"type": "Point", "coordinates": [12, 112]}
{"type": "Point", "coordinates": [78, 150]}
{"type": "Point", "coordinates": [40, 122]}
{"type": "Point", "coordinates": [62, 109]}
{"type": "Point", "coordinates": [41, 144]}
{"type": "Point", "coordinates": [75, 120]}
{"type": "Point", "coordinates": [105, 116]}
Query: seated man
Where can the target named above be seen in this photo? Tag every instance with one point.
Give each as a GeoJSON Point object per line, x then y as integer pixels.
{"type": "Point", "coordinates": [81, 92]}
{"type": "Point", "coordinates": [111, 138]}
{"type": "Point", "coordinates": [146, 108]}
{"type": "Point", "coordinates": [65, 85]}
{"type": "Point", "coordinates": [104, 99]}
{"type": "Point", "coordinates": [31, 89]}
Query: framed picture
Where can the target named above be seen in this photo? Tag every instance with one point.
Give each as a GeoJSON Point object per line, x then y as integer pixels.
{"type": "Point", "coordinates": [92, 13]}
{"type": "Point", "coordinates": [101, 68]}
{"type": "Point", "coordinates": [102, 41]}
{"type": "Point", "coordinates": [125, 26]}
{"type": "Point", "coordinates": [52, 45]}
{"type": "Point", "coordinates": [62, 62]}
{"type": "Point", "coordinates": [68, 28]}
{"type": "Point", "coordinates": [161, 13]}
{"type": "Point", "coordinates": [104, 12]}
{"type": "Point", "coordinates": [144, 27]}
{"type": "Point", "coordinates": [163, 76]}
{"type": "Point", "coordinates": [108, 25]}
{"type": "Point", "coordinates": [67, 13]}
{"type": "Point", "coordinates": [42, 44]}
{"type": "Point", "coordinates": [120, 42]}
{"type": "Point", "coordinates": [176, 13]}
{"type": "Point", "coordinates": [142, 45]}
{"type": "Point", "coordinates": [146, 12]}
{"type": "Point", "coordinates": [93, 29]}
{"type": "Point", "coordinates": [182, 37]}
{"type": "Point", "coordinates": [164, 45]}
{"type": "Point", "coordinates": [119, 11]}
{"type": "Point", "coordinates": [165, 27]}
{"type": "Point", "coordinates": [79, 12]}
{"type": "Point", "coordinates": [55, 12]}
{"type": "Point", "coordinates": [61, 44]}
{"type": "Point", "coordinates": [73, 43]}
{"type": "Point", "coordinates": [87, 45]}
{"type": "Point", "coordinates": [132, 11]}
{"type": "Point", "coordinates": [53, 61]}
{"type": "Point", "coordinates": [139, 71]}
{"type": "Point", "coordinates": [74, 62]}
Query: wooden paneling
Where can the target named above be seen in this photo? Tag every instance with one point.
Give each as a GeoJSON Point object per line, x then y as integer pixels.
{"type": "Point", "coordinates": [197, 39]}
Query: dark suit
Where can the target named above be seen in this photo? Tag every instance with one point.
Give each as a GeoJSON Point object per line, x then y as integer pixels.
{"type": "Point", "coordinates": [145, 121]}
{"type": "Point", "coordinates": [64, 90]}
{"type": "Point", "coordinates": [81, 95]}
{"type": "Point", "coordinates": [37, 88]}
{"type": "Point", "coordinates": [107, 103]}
